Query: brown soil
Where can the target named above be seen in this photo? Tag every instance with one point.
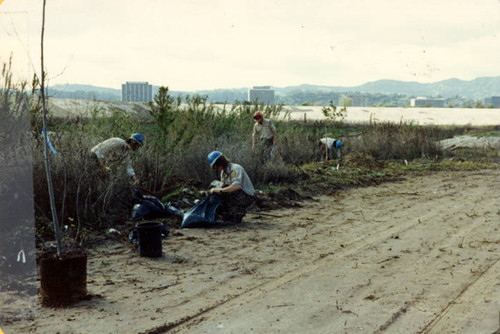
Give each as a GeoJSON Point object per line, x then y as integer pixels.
{"type": "Point", "coordinates": [364, 160]}
{"type": "Point", "coordinates": [419, 255]}
{"type": "Point", "coordinates": [63, 280]}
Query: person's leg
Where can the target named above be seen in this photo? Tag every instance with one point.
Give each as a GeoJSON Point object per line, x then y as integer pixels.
{"type": "Point", "coordinates": [266, 148]}
{"type": "Point", "coordinates": [97, 169]}
{"type": "Point", "coordinates": [234, 206]}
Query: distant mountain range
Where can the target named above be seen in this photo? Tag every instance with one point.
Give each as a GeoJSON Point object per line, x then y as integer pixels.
{"type": "Point", "coordinates": [475, 89]}
{"type": "Point", "coordinates": [399, 92]}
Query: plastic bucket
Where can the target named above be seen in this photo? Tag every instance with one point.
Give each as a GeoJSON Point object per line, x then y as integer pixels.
{"type": "Point", "coordinates": [149, 235]}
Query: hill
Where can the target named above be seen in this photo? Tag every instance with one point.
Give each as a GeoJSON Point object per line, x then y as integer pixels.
{"type": "Point", "coordinates": [475, 89]}
{"type": "Point", "coordinates": [84, 92]}
{"type": "Point", "coordinates": [380, 92]}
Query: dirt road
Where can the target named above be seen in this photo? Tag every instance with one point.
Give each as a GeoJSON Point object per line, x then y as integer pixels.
{"type": "Point", "coordinates": [413, 256]}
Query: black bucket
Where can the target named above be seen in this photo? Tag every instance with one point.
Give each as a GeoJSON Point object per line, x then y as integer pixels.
{"type": "Point", "coordinates": [149, 235]}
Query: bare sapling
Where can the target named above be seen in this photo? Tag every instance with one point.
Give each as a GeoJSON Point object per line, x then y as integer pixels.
{"type": "Point", "coordinates": [46, 146]}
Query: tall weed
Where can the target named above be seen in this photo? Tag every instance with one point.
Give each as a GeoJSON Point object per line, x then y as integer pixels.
{"type": "Point", "coordinates": [387, 141]}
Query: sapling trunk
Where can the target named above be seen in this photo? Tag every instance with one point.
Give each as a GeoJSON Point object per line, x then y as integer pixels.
{"type": "Point", "coordinates": [46, 147]}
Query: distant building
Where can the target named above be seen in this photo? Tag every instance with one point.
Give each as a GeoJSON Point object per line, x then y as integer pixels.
{"type": "Point", "coordinates": [493, 100]}
{"type": "Point", "coordinates": [263, 94]}
{"type": "Point", "coordinates": [137, 91]}
{"type": "Point", "coordinates": [360, 100]}
{"type": "Point", "coordinates": [425, 102]}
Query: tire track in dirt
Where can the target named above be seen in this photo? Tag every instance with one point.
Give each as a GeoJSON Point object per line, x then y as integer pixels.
{"type": "Point", "coordinates": [355, 246]}
{"type": "Point", "coordinates": [352, 248]}
{"type": "Point", "coordinates": [476, 281]}
{"type": "Point", "coordinates": [456, 239]}
{"type": "Point", "coordinates": [478, 228]}
{"type": "Point", "coordinates": [393, 256]}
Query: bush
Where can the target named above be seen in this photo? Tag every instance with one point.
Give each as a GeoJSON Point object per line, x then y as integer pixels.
{"type": "Point", "coordinates": [179, 136]}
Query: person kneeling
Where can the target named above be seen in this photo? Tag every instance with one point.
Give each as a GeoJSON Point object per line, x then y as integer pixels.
{"type": "Point", "coordinates": [237, 190]}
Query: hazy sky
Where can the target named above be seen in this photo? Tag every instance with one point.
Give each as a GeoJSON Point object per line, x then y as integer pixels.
{"type": "Point", "coordinates": [208, 44]}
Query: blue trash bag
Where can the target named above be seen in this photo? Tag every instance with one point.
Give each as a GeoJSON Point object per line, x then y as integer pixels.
{"type": "Point", "coordinates": [203, 213]}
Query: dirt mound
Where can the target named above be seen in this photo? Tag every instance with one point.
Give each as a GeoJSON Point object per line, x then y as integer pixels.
{"type": "Point", "coordinates": [282, 198]}
{"type": "Point", "coordinates": [360, 160]}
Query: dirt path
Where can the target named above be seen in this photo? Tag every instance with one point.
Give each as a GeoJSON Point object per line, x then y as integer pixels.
{"type": "Point", "coordinates": [416, 256]}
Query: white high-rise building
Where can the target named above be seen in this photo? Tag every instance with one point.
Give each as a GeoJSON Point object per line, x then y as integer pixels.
{"type": "Point", "coordinates": [263, 94]}
{"type": "Point", "coordinates": [137, 91]}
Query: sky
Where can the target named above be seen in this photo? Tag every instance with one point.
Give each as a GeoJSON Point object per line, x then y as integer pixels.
{"type": "Point", "coordinates": [198, 44]}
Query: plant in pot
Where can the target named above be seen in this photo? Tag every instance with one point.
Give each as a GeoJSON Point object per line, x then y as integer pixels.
{"type": "Point", "coordinates": [63, 273]}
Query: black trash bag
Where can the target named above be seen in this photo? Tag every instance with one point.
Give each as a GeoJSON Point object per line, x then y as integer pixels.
{"type": "Point", "coordinates": [203, 213]}
{"type": "Point", "coordinates": [150, 207]}
{"type": "Point", "coordinates": [173, 210]}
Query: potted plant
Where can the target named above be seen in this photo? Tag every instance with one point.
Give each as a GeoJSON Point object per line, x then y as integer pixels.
{"type": "Point", "coordinates": [63, 273]}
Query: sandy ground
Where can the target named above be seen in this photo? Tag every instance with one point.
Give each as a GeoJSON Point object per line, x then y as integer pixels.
{"type": "Point", "coordinates": [86, 108]}
{"type": "Point", "coordinates": [421, 116]}
{"type": "Point", "coordinates": [414, 256]}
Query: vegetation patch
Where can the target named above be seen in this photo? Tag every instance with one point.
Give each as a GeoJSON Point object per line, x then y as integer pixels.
{"type": "Point", "coordinates": [180, 132]}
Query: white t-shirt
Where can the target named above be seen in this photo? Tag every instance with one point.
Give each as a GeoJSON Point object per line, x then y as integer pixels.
{"type": "Point", "coordinates": [328, 142]}
{"type": "Point", "coordinates": [113, 150]}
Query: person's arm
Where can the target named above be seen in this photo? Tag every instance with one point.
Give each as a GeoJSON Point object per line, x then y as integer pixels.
{"type": "Point", "coordinates": [102, 164]}
{"type": "Point", "coordinates": [235, 180]}
{"type": "Point", "coordinates": [254, 135]}
{"type": "Point", "coordinates": [130, 170]}
{"type": "Point", "coordinates": [228, 189]}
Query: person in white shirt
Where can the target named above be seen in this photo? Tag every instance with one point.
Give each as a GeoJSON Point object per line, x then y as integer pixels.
{"type": "Point", "coordinates": [265, 131]}
{"type": "Point", "coordinates": [237, 191]}
{"type": "Point", "coordinates": [117, 150]}
{"type": "Point", "coordinates": [329, 144]}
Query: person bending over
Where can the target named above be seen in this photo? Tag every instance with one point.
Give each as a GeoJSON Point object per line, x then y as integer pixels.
{"type": "Point", "coordinates": [117, 150]}
{"type": "Point", "coordinates": [327, 145]}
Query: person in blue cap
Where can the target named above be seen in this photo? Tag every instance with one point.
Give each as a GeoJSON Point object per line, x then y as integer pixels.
{"type": "Point", "coordinates": [237, 191]}
{"type": "Point", "coordinates": [327, 145]}
{"type": "Point", "coordinates": [115, 150]}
